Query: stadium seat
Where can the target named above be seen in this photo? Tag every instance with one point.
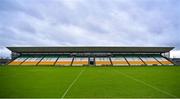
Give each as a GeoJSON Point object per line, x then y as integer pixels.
{"type": "Point", "coordinates": [32, 61]}
{"type": "Point", "coordinates": [119, 61]}
{"type": "Point", "coordinates": [48, 61]}
{"type": "Point", "coordinates": [64, 61]}
{"type": "Point", "coordinates": [18, 61]}
{"type": "Point", "coordinates": [80, 61]}
{"type": "Point", "coordinates": [149, 60]}
{"type": "Point", "coordinates": [132, 60]}
{"type": "Point", "coordinates": [102, 61]}
{"type": "Point", "coordinates": [163, 60]}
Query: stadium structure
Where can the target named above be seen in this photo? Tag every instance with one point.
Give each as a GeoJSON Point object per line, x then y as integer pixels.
{"type": "Point", "coordinates": [90, 56]}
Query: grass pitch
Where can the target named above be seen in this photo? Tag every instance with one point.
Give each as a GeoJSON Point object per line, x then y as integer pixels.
{"type": "Point", "coordinates": [90, 82]}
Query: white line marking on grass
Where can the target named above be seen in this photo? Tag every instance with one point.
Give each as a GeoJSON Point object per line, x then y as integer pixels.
{"type": "Point", "coordinates": [149, 85]}
{"type": "Point", "coordinates": [73, 82]}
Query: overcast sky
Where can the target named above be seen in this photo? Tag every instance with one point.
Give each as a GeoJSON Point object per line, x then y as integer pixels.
{"type": "Point", "coordinates": [89, 22]}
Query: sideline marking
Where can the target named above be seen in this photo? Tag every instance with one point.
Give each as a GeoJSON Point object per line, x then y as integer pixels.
{"type": "Point", "coordinates": [149, 85]}
{"type": "Point", "coordinates": [73, 82]}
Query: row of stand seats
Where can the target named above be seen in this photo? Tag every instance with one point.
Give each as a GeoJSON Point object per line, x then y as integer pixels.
{"type": "Point", "coordinates": [142, 60]}
{"type": "Point", "coordinates": [48, 61]}
{"type": "Point", "coordinates": [119, 61]}
{"type": "Point", "coordinates": [32, 61]}
{"type": "Point", "coordinates": [150, 61]}
{"type": "Point", "coordinates": [18, 61]}
{"type": "Point", "coordinates": [163, 61]}
{"type": "Point", "coordinates": [134, 60]}
{"type": "Point", "coordinates": [102, 61]}
{"type": "Point", "coordinates": [64, 61]}
{"type": "Point", "coordinates": [99, 61]}
{"type": "Point", "coordinates": [80, 61]}
{"type": "Point", "coordinates": [40, 61]}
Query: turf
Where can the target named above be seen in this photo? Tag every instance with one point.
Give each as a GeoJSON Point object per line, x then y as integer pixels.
{"type": "Point", "coordinates": [90, 82]}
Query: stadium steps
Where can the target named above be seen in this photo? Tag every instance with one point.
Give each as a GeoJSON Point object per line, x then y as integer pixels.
{"type": "Point", "coordinates": [40, 61]}
{"type": "Point", "coordinates": [56, 61]}
{"type": "Point", "coordinates": [126, 60]}
{"type": "Point", "coordinates": [23, 61]}
{"type": "Point", "coordinates": [110, 61]}
{"type": "Point", "coordinates": [157, 60]}
{"type": "Point", "coordinates": [72, 61]}
{"type": "Point", "coordinates": [169, 60]}
{"type": "Point", "coordinates": [142, 61]}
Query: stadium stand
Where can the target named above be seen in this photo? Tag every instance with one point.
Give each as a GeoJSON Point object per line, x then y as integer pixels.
{"type": "Point", "coordinates": [119, 61]}
{"type": "Point", "coordinates": [80, 61]}
{"type": "Point", "coordinates": [92, 56]}
{"type": "Point", "coordinates": [48, 60]}
{"type": "Point", "coordinates": [132, 60]}
{"type": "Point", "coordinates": [32, 61]}
{"type": "Point", "coordinates": [64, 61]}
{"type": "Point", "coordinates": [18, 61]}
{"type": "Point", "coordinates": [102, 61]}
{"type": "Point", "coordinates": [149, 60]}
{"type": "Point", "coordinates": [163, 60]}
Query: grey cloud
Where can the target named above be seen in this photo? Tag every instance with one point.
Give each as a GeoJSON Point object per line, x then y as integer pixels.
{"type": "Point", "coordinates": [90, 22]}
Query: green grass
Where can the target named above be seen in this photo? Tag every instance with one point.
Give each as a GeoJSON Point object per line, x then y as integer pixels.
{"type": "Point", "coordinates": [90, 82]}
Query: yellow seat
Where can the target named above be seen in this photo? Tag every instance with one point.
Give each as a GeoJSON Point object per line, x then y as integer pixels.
{"type": "Point", "coordinates": [46, 63]}
{"type": "Point", "coordinates": [136, 63]}
{"type": "Point", "coordinates": [15, 63]}
{"type": "Point", "coordinates": [30, 63]}
{"type": "Point", "coordinates": [119, 63]}
{"type": "Point", "coordinates": [152, 63]}
{"type": "Point", "coordinates": [80, 62]}
{"type": "Point", "coordinates": [63, 63]}
{"type": "Point", "coordinates": [103, 63]}
{"type": "Point", "coordinates": [166, 62]}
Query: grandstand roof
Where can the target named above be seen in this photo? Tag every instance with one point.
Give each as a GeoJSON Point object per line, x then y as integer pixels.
{"type": "Point", "coordinates": [89, 49]}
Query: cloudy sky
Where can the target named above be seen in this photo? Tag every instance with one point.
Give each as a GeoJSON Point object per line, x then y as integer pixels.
{"type": "Point", "coordinates": [89, 22]}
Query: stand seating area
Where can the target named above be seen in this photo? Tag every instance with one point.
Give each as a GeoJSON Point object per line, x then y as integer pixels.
{"type": "Point", "coordinates": [64, 61]}
{"type": "Point", "coordinates": [120, 60]}
{"type": "Point", "coordinates": [80, 61]}
{"type": "Point", "coordinates": [102, 61]}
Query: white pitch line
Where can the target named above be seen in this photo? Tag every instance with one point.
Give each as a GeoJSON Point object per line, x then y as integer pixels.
{"type": "Point", "coordinates": [149, 85]}
{"type": "Point", "coordinates": [73, 82]}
